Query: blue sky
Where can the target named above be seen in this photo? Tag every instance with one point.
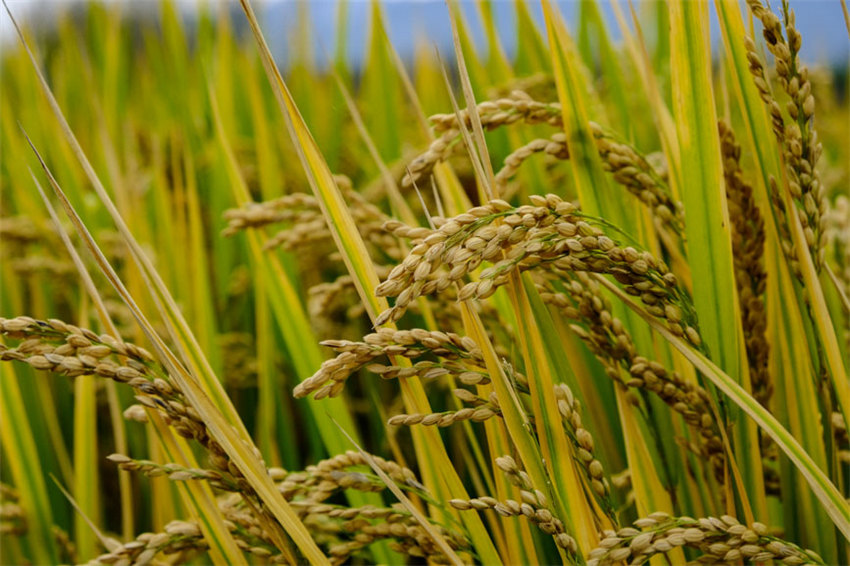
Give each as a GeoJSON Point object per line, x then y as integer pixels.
{"type": "Point", "coordinates": [821, 22]}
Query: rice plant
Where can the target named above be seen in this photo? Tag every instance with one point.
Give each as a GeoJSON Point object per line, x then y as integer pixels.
{"type": "Point", "coordinates": [586, 304]}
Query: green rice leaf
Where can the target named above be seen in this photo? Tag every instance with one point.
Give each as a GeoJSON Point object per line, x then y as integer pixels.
{"type": "Point", "coordinates": [27, 474]}
{"type": "Point", "coordinates": [708, 233]}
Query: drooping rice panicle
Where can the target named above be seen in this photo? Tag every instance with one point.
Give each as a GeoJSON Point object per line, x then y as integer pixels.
{"type": "Point", "coordinates": [66, 349]}
{"type": "Point", "coordinates": [540, 516]}
{"type": "Point", "coordinates": [67, 547]}
{"type": "Point", "coordinates": [407, 539]}
{"type": "Point", "coordinates": [306, 226]}
{"type": "Point", "coordinates": [411, 344]}
{"type": "Point", "coordinates": [19, 230]}
{"type": "Point", "coordinates": [519, 107]}
{"type": "Point", "coordinates": [551, 233]}
{"type": "Point", "coordinates": [721, 540]}
{"type": "Point", "coordinates": [43, 265]}
{"type": "Point", "coordinates": [178, 536]}
{"type": "Point", "coordinates": [801, 148]}
{"type": "Point", "coordinates": [183, 539]}
{"type": "Point", "coordinates": [12, 517]}
{"type": "Point", "coordinates": [533, 506]}
{"type": "Point", "coordinates": [570, 410]}
{"type": "Point", "coordinates": [482, 411]}
{"type": "Point", "coordinates": [240, 362]}
{"type": "Point", "coordinates": [608, 339]}
{"type": "Point", "coordinates": [750, 276]}
{"type": "Point", "coordinates": [628, 167]}
{"type": "Point", "coordinates": [173, 472]}
{"type": "Point", "coordinates": [319, 481]}
{"type": "Point", "coordinates": [342, 530]}
{"type": "Point", "coordinates": [288, 208]}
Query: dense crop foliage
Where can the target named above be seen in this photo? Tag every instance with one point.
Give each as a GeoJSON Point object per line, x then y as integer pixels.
{"type": "Point", "coordinates": [585, 305]}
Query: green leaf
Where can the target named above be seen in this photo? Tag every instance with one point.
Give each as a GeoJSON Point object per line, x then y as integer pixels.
{"type": "Point", "coordinates": [708, 232]}
{"type": "Point", "coordinates": [27, 474]}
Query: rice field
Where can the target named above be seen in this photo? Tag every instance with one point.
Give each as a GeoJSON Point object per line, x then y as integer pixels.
{"type": "Point", "coordinates": [586, 303]}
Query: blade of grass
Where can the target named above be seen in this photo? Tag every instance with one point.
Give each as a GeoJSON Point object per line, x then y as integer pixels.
{"type": "Point", "coordinates": [707, 229]}
{"type": "Point", "coordinates": [409, 89]}
{"type": "Point", "coordinates": [588, 177]}
{"type": "Point", "coordinates": [498, 66]}
{"type": "Point", "coordinates": [379, 89]}
{"type": "Point", "coordinates": [666, 128]}
{"type": "Point", "coordinates": [108, 543]}
{"type": "Point", "coordinates": [197, 273]}
{"type": "Point", "coordinates": [449, 187]}
{"type": "Point", "coordinates": [273, 437]}
{"type": "Point", "coordinates": [484, 184]}
{"type": "Point", "coordinates": [400, 206]}
{"type": "Point", "coordinates": [476, 72]}
{"type": "Point", "coordinates": [609, 60]}
{"type": "Point", "coordinates": [86, 462]}
{"type": "Point", "coordinates": [645, 476]}
{"type": "Point", "coordinates": [27, 474]}
{"type": "Point", "coordinates": [480, 147]}
{"type": "Point", "coordinates": [531, 55]}
{"type": "Point", "coordinates": [839, 288]}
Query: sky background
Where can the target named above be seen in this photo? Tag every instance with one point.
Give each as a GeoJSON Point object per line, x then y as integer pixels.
{"type": "Point", "coordinates": [821, 22]}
